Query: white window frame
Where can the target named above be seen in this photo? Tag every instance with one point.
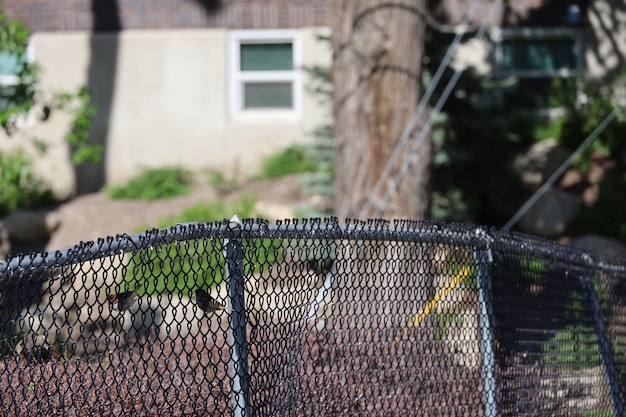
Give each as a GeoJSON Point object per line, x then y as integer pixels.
{"type": "Point", "coordinates": [498, 35]}
{"type": "Point", "coordinates": [237, 78]}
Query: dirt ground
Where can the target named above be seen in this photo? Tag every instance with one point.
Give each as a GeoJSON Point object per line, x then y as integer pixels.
{"type": "Point", "coordinates": [92, 216]}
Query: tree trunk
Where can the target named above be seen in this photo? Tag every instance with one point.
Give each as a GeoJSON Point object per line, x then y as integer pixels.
{"type": "Point", "coordinates": [377, 64]}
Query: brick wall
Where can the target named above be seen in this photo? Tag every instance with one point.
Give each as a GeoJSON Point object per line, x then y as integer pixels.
{"type": "Point", "coordinates": [111, 15]}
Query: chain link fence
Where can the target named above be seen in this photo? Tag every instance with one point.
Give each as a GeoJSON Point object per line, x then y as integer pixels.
{"type": "Point", "coordinates": [313, 317]}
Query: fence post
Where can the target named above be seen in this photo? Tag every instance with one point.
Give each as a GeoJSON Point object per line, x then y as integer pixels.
{"type": "Point", "coordinates": [233, 254]}
{"type": "Point", "coordinates": [604, 347]}
{"type": "Point", "coordinates": [483, 259]}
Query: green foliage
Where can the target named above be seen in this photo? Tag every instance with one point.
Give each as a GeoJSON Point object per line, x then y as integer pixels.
{"type": "Point", "coordinates": [182, 267]}
{"type": "Point", "coordinates": [21, 96]}
{"type": "Point", "coordinates": [605, 413]}
{"type": "Point", "coordinates": [291, 160]}
{"type": "Point", "coordinates": [585, 106]}
{"type": "Point", "coordinates": [469, 146]}
{"type": "Point", "coordinates": [575, 346]}
{"type": "Point", "coordinates": [533, 268]}
{"type": "Point", "coordinates": [321, 181]}
{"type": "Point", "coordinates": [222, 184]}
{"type": "Point", "coordinates": [19, 186]}
{"type": "Point", "coordinates": [445, 321]}
{"type": "Point", "coordinates": [155, 183]}
{"type": "Point", "coordinates": [552, 129]}
{"type": "Point", "coordinates": [78, 136]}
{"type": "Point", "coordinates": [322, 153]}
{"type": "Point", "coordinates": [177, 267]}
{"type": "Point", "coordinates": [17, 99]}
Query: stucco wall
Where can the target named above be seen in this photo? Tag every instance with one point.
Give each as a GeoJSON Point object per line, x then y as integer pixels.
{"type": "Point", "coordinates": [162, 96]}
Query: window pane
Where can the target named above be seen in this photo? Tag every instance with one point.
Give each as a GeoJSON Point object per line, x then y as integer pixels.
{"type": "Point", "coordinates": [266, 57]}
{"type": "Point", "coordinates": [546, 55]}
{"type": "Point", "coordinates": [268, 96]}
{"type": "Point", "coordinates": [10, 63]}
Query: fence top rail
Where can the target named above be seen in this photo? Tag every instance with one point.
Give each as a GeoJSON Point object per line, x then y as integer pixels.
{"type": "Point", "coordinates": [588, 262]}
{"type": "Point", "coordinates": [314, 229]}
{"type": "Point", "coordinates": [310, 229]}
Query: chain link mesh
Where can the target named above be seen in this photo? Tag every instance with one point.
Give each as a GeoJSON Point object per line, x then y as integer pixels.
{"type": "Point", "coordinates": [311, 317]}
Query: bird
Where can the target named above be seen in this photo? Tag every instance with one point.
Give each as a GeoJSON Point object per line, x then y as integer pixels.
{"type": "Point", "coordinates": [207, 303]}
{"type": "Point", "coordinates": [124, 300]}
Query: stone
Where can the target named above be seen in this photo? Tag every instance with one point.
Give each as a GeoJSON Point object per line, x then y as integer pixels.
{"type": "Point", "coordinates": [600, 244]}
{"type": "Point", "coordinates": [31, 225]}
{"type": "Point", "coordinates": [551, 214]}
{"type": "Point", "coordinates": [540, 161]}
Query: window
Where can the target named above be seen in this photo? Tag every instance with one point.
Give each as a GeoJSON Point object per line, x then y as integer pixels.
{"type": "Point", "coordinates": [264, 73]}
{"type": "Point", "coordinates": [537, 52]}
{"type": "Point", "coordinates": [12, 65]}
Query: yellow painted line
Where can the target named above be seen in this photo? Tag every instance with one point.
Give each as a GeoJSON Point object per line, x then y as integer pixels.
{"type": "Point", "coordinates": [460, 276]}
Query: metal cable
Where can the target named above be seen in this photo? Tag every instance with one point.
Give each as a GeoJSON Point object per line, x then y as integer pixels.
{"type": "Point", "coordinates": [560, 170]}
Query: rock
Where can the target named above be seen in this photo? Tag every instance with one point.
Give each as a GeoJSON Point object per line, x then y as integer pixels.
{"type": "Point", "coordinates": [551, 214]}
{"type": "Point", "coordinates": [31, 225]}
{"type": "Point", "coordinates": [70, 307]}
{"type": "Point", "coordinates": [536, 165]}
{"type": "Point", "coordinates": [600, 244]}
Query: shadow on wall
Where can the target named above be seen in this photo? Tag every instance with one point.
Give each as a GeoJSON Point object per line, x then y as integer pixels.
{"type": "Point", "coordinates": [104, 45]}
{"type": "Point", "coordinates": [101, 83]}
{"type": "Point", "coordinates": [210, 6]}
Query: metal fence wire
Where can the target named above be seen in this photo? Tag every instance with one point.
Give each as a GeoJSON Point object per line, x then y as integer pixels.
{"type": "Point", "coordinates": [314, 318]}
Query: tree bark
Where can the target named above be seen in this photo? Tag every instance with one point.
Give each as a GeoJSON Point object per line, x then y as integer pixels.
{"type": "Point", "coordinates": [377, 65]}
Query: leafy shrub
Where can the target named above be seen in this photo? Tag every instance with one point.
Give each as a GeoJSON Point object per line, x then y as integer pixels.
{"type": "Point", "coordinates": [291, 160]}
{"type": "Point", "coordinates": [224, 184]}
{"type": "Point", "coordinates": [19, 187]}
{"type": "Point", "coordinates": [586, 105]}
{"type": "Point", "coordinates": [83, 112]}
{"type": "Point", "coordinates": [18, 99]}
{"type": "Point", "coordinates": [174, 267]}
{"type": "Point", "coordinates": [154, 184]}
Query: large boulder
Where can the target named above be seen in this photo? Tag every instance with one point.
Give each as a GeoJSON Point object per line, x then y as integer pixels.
{"type": "Point", "coordinates": [30, 226]}
{"type": "Point", "coordinates": [551, 214]}
{"type": "Point", "coordinates": [536, 165]}
{"type": "Point", "coordinates": [69, 307]}
{"type": "Point", "coordinates": [600, 244]}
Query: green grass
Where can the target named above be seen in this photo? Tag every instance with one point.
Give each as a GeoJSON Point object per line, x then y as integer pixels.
{"type": "Point", "coordinates": [154, 184]}
{"type": "Point", "coordinates": [291, 160]}
{"type": "Point", "coordinates": [182, 267]}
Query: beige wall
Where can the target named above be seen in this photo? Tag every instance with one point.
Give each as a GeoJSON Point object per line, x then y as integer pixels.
{"type": "Point", "coordinates": [168, 102]}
